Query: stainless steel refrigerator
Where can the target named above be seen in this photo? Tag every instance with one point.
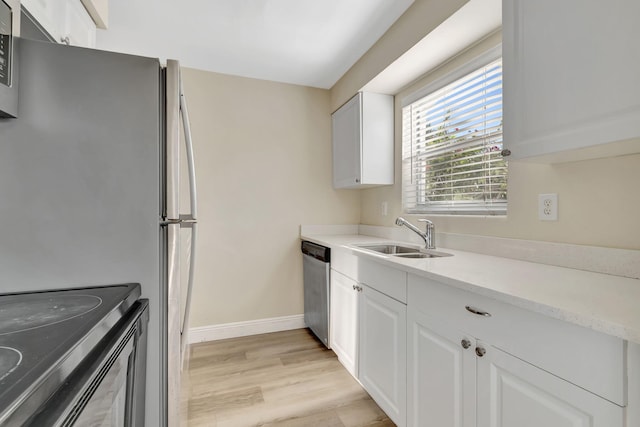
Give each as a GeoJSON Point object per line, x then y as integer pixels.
{"type": "Point", "coordinates": [90, 179]}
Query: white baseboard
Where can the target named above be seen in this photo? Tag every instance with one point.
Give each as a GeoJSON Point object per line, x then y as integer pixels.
{"type": "Point", "coordinates": [243, 329]}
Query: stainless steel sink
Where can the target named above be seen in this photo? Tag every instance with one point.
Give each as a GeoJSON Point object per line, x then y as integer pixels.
{"type": "Point", "coordinates": [425, 254]}
{"type": "Point", "coordinates": [404, 251]}
{"type": "Point", "coordinates": [390, 249]}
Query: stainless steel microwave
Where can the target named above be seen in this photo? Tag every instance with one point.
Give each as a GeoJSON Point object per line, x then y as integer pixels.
{"type": "Point", "coordinates": [9, 32]}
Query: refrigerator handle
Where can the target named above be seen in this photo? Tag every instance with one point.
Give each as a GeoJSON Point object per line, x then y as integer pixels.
{"type": "Point", "coordinates": [184, 332]}
{"type": "Point", "coordinates": [190, 161]}
{"type": "Point", "coordinates": [190, 221]}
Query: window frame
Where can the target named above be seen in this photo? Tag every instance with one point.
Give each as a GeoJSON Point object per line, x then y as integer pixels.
{"type": "Point", "coordinates": [472, 209]}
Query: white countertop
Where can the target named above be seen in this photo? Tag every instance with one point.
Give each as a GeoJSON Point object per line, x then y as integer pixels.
{"type": "Point", "coordinates": [602, 302]}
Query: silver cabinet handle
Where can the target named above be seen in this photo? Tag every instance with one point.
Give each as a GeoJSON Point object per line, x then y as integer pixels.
{"type": "Point", "coordinates": [477, 311]}
{"type": "Point", "coordinates": [65, 40]}
{"type": "Point", "coordinates": [465, 343]}
{"type": "Point", "coordinates": [480, 351]}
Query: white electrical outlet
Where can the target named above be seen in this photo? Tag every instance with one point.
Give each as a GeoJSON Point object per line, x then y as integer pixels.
{"type": "Point", "coordinates": [548, 207]}
{"type": "Point", "coordinates": [384, 209]}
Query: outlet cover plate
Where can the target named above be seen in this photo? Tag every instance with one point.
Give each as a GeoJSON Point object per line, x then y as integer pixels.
{"type": "Point", "coordinates": [548, 207]}
{"type": "Point", "coordinates": [384, 208]}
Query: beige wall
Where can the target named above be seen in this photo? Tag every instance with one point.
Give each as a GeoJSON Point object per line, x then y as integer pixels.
{"type": "Point", "coordinates": [263, 159]}
{"type": "Point", "coordinates": [263, 153]}
{"type": "Point", "coordinates": [599, 200]}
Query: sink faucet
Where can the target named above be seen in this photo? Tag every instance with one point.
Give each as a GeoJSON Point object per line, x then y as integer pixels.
{"type": "Point", "coordinates": [429, 236]}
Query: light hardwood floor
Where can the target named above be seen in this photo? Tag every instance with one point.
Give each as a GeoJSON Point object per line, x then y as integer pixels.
{"type": "Point", "coordinates": [284, 378]}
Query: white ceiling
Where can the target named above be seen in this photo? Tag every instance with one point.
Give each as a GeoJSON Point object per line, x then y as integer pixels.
{"type": "Point", "coordinates": [306, 42]}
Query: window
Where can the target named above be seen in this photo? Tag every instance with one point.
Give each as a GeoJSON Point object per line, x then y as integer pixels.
{"type": "Point", "coordinates": [451, 147]}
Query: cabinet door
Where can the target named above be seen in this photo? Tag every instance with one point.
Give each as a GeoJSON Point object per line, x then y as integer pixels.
{"type": "Point", "coordinates": [377, 139]}
{"type": "Point", "coordinates": [49, 15]}
{"type": "Point", "coordinates": [344, 320]}
{"type": "Point", "coordinates": [382, 353]}
{"type": "Point", "coordinates": [78, 25]}
{"type": "Point", "coordinates": [67, 21]}
{"type": "Point", "coordinates": [571, 72]}
{"type": "Point", "coordinates": [441, 374]}
{"type": "Point", "coordinates": [512, 392]}
{"type": "Point", "coordinates": [347, 133]}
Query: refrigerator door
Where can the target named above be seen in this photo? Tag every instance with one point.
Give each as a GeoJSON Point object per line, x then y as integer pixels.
{"type": "Point", "coordinates": [181, 239]}
{"type": "Point", "coordinates": [80, 180]}
{"type": "Point", "coordinates": [181, 193]}
{"type": "Point", "coordinates": [174, 384]}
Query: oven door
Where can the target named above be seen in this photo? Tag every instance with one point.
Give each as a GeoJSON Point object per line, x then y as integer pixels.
{"type": "Point", "coordinates": [107, 388]}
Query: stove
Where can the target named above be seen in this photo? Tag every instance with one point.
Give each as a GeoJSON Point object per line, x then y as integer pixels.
{"type": "Point", "coordinates": [55, 345]}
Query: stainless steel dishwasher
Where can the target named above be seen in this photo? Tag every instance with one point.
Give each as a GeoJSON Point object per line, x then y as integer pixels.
{"type": "Point", "coordinates": [316, 268]}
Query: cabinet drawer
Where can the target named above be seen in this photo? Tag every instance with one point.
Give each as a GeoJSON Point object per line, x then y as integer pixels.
{"type": "Point", "coordinates": [589, 359]}
{"type": "Point", "coordinates": [389, 281]}
{"type": "Point", "coordinates": [343, 261]}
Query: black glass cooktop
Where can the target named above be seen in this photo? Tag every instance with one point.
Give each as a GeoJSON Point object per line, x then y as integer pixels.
{"type": "Point", "coordinates": [10, 358]}
{"type": "Point", "coordinates": [23, 314]}
{"type": "Point", "coordinates": [45, 335]}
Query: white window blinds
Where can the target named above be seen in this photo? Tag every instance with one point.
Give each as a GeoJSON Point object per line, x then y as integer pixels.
{"type": "Point", "coordinates": [451, 148]}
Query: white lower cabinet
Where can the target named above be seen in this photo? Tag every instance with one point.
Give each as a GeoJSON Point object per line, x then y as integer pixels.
{"type": "Point", "coordinates": [432, 355]}
{"type": "Point", "coordinates": [383, 350]}
{"type": "Point", "coordinates": [456, 379]}
{"type": "Point", "coordinates": [343, 334]}
{"type": "Point", "coordinates": [512, 392]}
{"type": "Point", "coordinates": [441, 376]}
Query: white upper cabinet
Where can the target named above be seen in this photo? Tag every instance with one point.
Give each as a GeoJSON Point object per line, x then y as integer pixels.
{"type": "Point", "coordinates": [78, 25]}
{"type": "Point", "coordinates": [571, 78]}
{"type": "Point", "coordinates": [363, 142]}
{"type": "Point", "coordinates": [67, 21]}
{"type": "Point", "coordinates": [48, 14]}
